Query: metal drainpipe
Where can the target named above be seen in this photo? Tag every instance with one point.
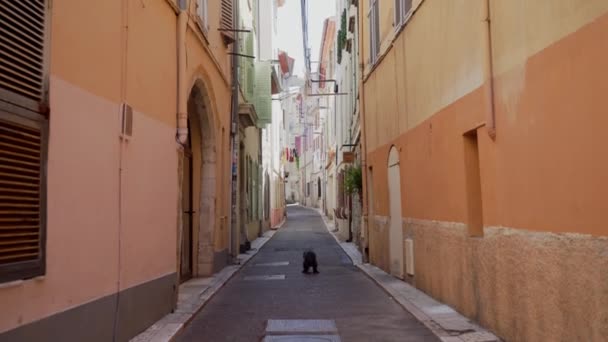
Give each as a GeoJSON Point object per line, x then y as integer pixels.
{"type": "Point", "coordinates": [364, 206]}
{"type": "Point", "coordinates": [182, 115]}
{"type": "Point", "coordinates": [488, 69]}
{"type": "Point", "coordinates": [234, 107]}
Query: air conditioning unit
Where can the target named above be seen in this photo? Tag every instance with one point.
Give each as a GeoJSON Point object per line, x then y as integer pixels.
{"type": "Point", "coordinates": [409, 257]}
{"type": "Point", "coordinates": [126, 121]}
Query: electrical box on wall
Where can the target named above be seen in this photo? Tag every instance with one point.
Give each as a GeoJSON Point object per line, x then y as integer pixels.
{"type": "Point", "coordinates": [409, 256]}
{"type": "Point", "coordinates": [126, 121]}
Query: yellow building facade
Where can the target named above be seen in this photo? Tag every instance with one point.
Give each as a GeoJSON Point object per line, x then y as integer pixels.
{"type": "Point", "coordinates": [484, 183]}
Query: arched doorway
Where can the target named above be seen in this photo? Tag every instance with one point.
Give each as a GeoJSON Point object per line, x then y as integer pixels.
{"type": "Point", "coordinates": [395, 227]}
{"type": "Point", "coordinates": [198, 195]}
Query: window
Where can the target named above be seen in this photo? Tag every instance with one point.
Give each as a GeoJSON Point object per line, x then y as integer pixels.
{"type": "Point", "coordinates": [402, 9]}
{"type": "Point", "coordinates": [201, 10]}
{"type": "Point", "coordinates": [374, 25]}
{"type": "Point", "coordinates": [23, 136]}
{"type": "Point", "coordinates": [226, 21]}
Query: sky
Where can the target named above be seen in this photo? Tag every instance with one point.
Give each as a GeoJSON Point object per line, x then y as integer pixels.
{"type": "Point", "coordinates": [289, 29]}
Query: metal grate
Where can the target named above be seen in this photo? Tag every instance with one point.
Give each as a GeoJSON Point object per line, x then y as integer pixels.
{"type": "Point", "coordinates": [20, 192]}
{"type": "Point", "coordinates": [22, 45]}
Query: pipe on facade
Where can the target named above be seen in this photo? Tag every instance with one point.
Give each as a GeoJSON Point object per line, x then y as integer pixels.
{"type": "Point", "coordinates": [234, 137]}
{"type": "Point", "coordinates": [182, 95]}
{"type": "Point", "coordinates": [488, 71]}
{"type": "Point", "coordinates": [364, 204]}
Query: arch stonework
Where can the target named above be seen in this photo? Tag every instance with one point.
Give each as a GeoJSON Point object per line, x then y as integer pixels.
{"type": "Point", "coordinates": [203, 130]}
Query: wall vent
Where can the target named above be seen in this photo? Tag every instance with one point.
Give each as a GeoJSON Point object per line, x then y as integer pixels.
{"type": "Point", "coordinates": [409, 256]}
{"type": "Point", "coordinates": [126, 121]}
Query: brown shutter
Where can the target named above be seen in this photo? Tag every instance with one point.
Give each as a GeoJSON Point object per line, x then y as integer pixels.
{"type": "Point", "coordinates": [22, 53]}
{"type": "Point", "coordinates": [21, 194]}
{"type": "Point", "coordinates": [23, 136]}
{"type": "Point", "coordinates": [226, 25]}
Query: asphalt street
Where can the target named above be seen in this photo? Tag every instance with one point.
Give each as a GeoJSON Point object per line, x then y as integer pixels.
{"type": "Point", "coordinates": [339, 304]}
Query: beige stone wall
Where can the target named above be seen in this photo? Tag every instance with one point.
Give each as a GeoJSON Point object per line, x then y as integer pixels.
{"type": "Point", "coordinates": [525, 286]}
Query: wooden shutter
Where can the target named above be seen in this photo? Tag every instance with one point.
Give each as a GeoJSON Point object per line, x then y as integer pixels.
{"type": "Point", "coordinates": [226, 25]}
{"type": "Point", "coordinates": [21, 196]}
{"type": "Point", "coordinates": [23, 136]}
{"type": "Point", "coordinates": [22, 53]}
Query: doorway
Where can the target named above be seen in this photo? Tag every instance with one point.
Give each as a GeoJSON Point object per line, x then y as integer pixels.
{"type": "Point", "coordinates": [395, 225]}
{"type": "Point", "coordinates": [187, 215]}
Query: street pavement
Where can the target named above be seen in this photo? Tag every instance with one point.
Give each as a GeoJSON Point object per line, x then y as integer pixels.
{"type": "Point", "coordinates": [270, 299]}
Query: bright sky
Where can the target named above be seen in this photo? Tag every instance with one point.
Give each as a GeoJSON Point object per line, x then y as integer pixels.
{"type": "Point", "coordinates": [289, 31]}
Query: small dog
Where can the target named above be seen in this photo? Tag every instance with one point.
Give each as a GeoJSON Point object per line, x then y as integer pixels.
{"type": "Point", "coordinates": [310, 260]}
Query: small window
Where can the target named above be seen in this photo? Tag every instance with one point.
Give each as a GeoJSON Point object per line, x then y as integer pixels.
{"type": "Point", "coordinates": [402, 10]}
{"type": "Point", "coordinates": [374, 25]}
{"type": "Point", "coordinates": [201, 10]}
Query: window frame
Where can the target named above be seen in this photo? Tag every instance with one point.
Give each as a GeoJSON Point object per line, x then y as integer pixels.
{"type": "Point", "coordinates": [202, 13]}
{"type": "Point", "coordinates": [402, 16]}
{"type": "Point", "coordinates": [374, 34]}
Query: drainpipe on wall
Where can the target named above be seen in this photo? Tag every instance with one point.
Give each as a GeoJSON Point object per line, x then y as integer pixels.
{"type": "Point", "coordinates": [488, 70]}
{"type": "Point", "coordinates": [365, 181]}
{"type": "Point", "coordinates": [182, 114]}
{"type": "Point", "coordinates": [234, 108]}
{"type": "Point", "coordinates": [364, 205]}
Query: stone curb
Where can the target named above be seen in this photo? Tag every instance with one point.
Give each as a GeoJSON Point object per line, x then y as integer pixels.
{"type": "Point", "coordinates": [446, 323]}
{"type": "Point", "coordinates": [167, 328]}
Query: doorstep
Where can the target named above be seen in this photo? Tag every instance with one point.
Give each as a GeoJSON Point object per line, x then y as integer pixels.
{"type": "Point", "coordinates": [194, 294]}
{"type": "Point", "coordinates": [446, 323]}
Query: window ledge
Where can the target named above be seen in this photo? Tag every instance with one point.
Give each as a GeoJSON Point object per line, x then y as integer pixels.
{"type": "Point", "coordinates": [20, 282]}
{"type": "Point", "coordinates": [14, 283]}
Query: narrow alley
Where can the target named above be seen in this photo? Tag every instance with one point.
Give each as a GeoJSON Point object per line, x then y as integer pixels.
{"type": "Point", "coordinates": [272, 287]}
{"type": "Point", "coordinates": [164, 165]}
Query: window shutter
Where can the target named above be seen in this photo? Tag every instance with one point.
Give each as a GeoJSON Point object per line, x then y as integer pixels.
{"type": "Point", "coordinates": [262, 92]}
{"type": "Point", "coordinates": [21, 197]}
{"type": "Point", "coordinates": [22, 53]}
{"type": "Point", "coordinates": [226, 25]}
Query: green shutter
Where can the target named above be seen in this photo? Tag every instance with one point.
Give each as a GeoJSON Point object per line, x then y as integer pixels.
{"type": "Point", "coordinates": [262, 93]}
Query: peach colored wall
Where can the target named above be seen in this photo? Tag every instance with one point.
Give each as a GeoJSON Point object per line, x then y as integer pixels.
{"type": "Point", "coordinates": [91, 73]}
{"type": "Point", "coordinates": [150, 193]}
{"type": "Point", "coordinates": [519, 170]}
{"type": "Point", "coordinates": [543, 277]}
{"type": "Point", "coordinates": [86, 45]}
{"type": "Point", "coordinates": [82, 228]}
{"type": "Point", "coordinates": [547, 158]}
{"type": "Point", "coordinates": [152, 59]}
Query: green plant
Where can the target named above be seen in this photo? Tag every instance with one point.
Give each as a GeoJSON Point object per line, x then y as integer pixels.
{"type": "Point", "coordinates": [353, 181]}
{"type": "Point", "coordinates": [342, 36]}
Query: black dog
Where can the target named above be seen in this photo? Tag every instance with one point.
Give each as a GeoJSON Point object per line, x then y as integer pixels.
{"type": "Point", "coordinates": [310, 260]}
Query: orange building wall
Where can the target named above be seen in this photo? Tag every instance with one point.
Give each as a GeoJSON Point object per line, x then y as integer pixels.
{"type": "Point", "coordinates": [539, 272]}
{"type": "Point", "coordinates": [96, 65]}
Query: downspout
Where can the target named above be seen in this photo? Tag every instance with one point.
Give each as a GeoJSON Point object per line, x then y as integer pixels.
{"type": "Point", "coordinates": [182, 100]}
{"type": "Point", "coordinates": [488, 71]}
{"type": "Point", "coordinates": [234, 107]}
{"type": "Point", "coordinates": [364, 204]}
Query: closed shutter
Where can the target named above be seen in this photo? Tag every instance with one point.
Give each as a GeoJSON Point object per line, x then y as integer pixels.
{"type": "Point", "coordinates": [226, 26]}
{"type": "Point", "coordinates": [23, 136]}
{"type": "Point", "coordinates": [21, 197]}
{"type": "Point", "coordinates": [22, 53]}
